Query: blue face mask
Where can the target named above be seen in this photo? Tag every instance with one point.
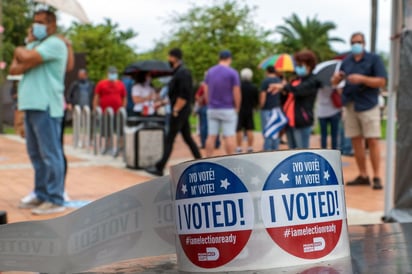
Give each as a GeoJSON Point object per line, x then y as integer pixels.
{"type": "Point", "coordinates": [113, 76]}
{"type": "Point", "coordinates": [300, 70]}
{"type": "Point", "coordinates": [357, 48]}
{"type": "Point", "coordinates": [39, 31]}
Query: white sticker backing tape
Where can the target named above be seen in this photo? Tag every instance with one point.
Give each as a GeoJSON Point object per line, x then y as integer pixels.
{"type": "Point", "coordinates": [242, 212]}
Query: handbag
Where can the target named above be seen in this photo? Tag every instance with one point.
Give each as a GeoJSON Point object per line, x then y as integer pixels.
{"type": "Point", "coordinates": [336, 98]}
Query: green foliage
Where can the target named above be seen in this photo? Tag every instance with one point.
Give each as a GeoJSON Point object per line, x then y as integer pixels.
{"type": "Point", "coordinates": [104, 45]}
{"type": "Point", "coordinates": [203, 31]}
{"type": "Point", "coordinates": [16, 20]}
{"type": "Point", "coordinates": [311, 34]}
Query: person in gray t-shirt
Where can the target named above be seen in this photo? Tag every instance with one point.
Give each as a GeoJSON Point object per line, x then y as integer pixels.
{"type": "Point", "coordinates": [80, 91]}
{"type": "Point", "coordinates": [328, 115]}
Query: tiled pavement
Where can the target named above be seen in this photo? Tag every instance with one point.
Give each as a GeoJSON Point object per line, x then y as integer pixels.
{"type": "Point", "coordinates": [92, 177]}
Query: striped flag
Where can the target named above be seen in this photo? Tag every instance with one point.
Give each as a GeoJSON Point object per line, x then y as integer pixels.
{"type": "Point", "coordinates": [275, 123]}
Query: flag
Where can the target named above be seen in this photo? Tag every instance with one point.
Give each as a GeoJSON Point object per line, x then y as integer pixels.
{"type": "Point", "coordinates": [275, 123]}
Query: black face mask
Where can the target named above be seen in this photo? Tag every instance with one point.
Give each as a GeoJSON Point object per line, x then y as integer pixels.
{"type": "Point", "coordinates": [171, 64]}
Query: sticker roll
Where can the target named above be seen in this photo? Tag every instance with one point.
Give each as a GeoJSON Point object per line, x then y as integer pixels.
{"type": "Point", "coordinates": [259, 211]}
{"type": "Point", "coordinates": [133, 223]}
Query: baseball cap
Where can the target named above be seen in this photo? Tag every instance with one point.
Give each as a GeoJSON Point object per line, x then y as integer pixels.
{"type": "Point", "coordinates": [225, 54]}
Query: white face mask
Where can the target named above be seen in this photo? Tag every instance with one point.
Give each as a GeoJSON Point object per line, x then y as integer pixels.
{"type": "Point", "coordinates": [113, 76]}
{"type": "Point", "coordinates": [39, 31]}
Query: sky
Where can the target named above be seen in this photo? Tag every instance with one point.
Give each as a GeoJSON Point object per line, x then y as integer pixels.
{"type": "Point", "coordinates": [148, 18]}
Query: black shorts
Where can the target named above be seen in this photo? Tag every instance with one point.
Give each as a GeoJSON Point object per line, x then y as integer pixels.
{"type": "Point", "coordinates": [245, 121]}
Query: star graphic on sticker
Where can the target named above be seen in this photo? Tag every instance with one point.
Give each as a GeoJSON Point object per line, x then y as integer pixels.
{"type": "Point", "coordinates": [326, 175]}
{"type": "Point", "coordinates": [184, 189]}
{"type": "Point", "coordinates": [224, 183]}
{"type": "Point", "coordinates": [284, 178]}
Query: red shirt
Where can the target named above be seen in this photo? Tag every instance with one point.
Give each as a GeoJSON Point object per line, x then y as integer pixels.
{"type": "Point", "coordinates": [200, 95]}
{"type": "Point", "coordinates": [111, 94]}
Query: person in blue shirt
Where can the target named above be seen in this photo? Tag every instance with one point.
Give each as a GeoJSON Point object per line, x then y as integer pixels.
{"type": "Point", "coordinates": [128, 83]}
{"type": "Point", "coordinates": [365, 74]}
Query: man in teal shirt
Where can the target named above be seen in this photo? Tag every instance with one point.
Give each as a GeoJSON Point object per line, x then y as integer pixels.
{"type": "Point", "coordinates": [43, 64]}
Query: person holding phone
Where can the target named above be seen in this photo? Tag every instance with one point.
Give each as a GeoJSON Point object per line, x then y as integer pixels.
{"type": "Point", "coordinates": [365, 74]}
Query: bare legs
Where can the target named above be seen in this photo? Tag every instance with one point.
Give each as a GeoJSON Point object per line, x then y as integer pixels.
{"type": "Point", "coordinates": [360, 155]}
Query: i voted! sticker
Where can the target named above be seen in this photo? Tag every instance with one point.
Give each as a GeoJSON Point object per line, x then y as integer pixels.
{"type": "Point", "coordinates": [214, 216]}
{"type": "Point", "coordinates": [303, 206]}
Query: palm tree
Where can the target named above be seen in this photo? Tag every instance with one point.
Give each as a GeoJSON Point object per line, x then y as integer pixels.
{"type": "Point", "coordinates": [312, 35]}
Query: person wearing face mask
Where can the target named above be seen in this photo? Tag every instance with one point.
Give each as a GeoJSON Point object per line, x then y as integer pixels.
{"type": "Point", "coordinates": [180, 95]}
{"type": "Point", "coordinates": [80, 91]}
{"type": "Point", "coordinates": [365, 74]}
{"type": "Point", "coordinates": [143, 94]}
{"type": "Point", "coordinates": [110, 92]}
{"type": "Point", "coordinates": [299, 97]}
{"type": "Point", "coordinates": [43, 63]}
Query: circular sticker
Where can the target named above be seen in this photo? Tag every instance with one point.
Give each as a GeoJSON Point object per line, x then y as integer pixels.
{"type": "Point", "coordinates": [214, 214]}
{"type": "Point", "coordinates": [303, 206]}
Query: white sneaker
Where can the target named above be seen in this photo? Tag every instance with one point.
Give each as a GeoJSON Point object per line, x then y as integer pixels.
{"type": "Point", "coordinates": [66, 197]}
{"type": "Point", "coordinates": [28, 197]}
{"type": "Point", "coordinates": [48, 208]}
{"type": "Point", "coordinates": [31, 202]}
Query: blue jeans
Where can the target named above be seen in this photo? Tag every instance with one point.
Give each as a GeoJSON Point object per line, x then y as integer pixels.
{"type": "Point", "coordinates": [46, 155]}
{"type": "Point", "coordinates": [345, 144]}
{"type": "Point", "coordinates": [202, 112]}
{"type": "Point", "coordinates": [334, 122]}
{"type": "Point", "coordinates": [268, 143]}
{"type": "Point", "coordinates": [298, 137]}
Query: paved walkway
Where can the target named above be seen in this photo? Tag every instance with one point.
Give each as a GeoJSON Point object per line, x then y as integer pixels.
{"type": "Point", "coordinates": [92, 177]}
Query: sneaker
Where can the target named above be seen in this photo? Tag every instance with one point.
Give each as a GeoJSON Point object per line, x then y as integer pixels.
{"type": "Point", "coordinates": [28, 197]}
{"type": "Point", "coordinates": [154, 171]}
{"type": "Point", "coordinates": [359, 181]}
{"type": "Point", "coordinates": [238, 150]}
{"type": "Point", "coordinates": [66, 196]}
{"type": "Point", "coordinates": [48, 208]}
{"type": "Point", "coordinates": [27, 203]}
{"type": "Point", "coordinates": [250, 150]}
{"type": "Point", "coordinates": [376, 183]}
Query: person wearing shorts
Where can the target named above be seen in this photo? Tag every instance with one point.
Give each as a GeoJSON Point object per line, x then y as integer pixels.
{"type": "Point", "coordinates": [365, 74]}
{"type": "Point", "coordinates": [222, 89]}
{"type": "Point", "coordinates": [245, 124]}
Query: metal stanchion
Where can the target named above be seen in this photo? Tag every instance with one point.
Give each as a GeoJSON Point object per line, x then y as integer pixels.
{"type": "Point", "coordinates": [85, 127]}
{"type": "Point", "coordinates": [76, 125]}
{"type": "Point", "coordinates": [97, 130]}
{"type": "Point", "coordinates": [108, 126]}
{"type": "Point", "coordinates": [121, 117]}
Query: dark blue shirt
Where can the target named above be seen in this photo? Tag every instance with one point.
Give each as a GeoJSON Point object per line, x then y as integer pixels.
{"type": "Point", "coordinates": [272, 100]}
{"type": "Point", "coordinates": [363, 97]}
{"type": "Point", "coordinates": [128, 83]}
